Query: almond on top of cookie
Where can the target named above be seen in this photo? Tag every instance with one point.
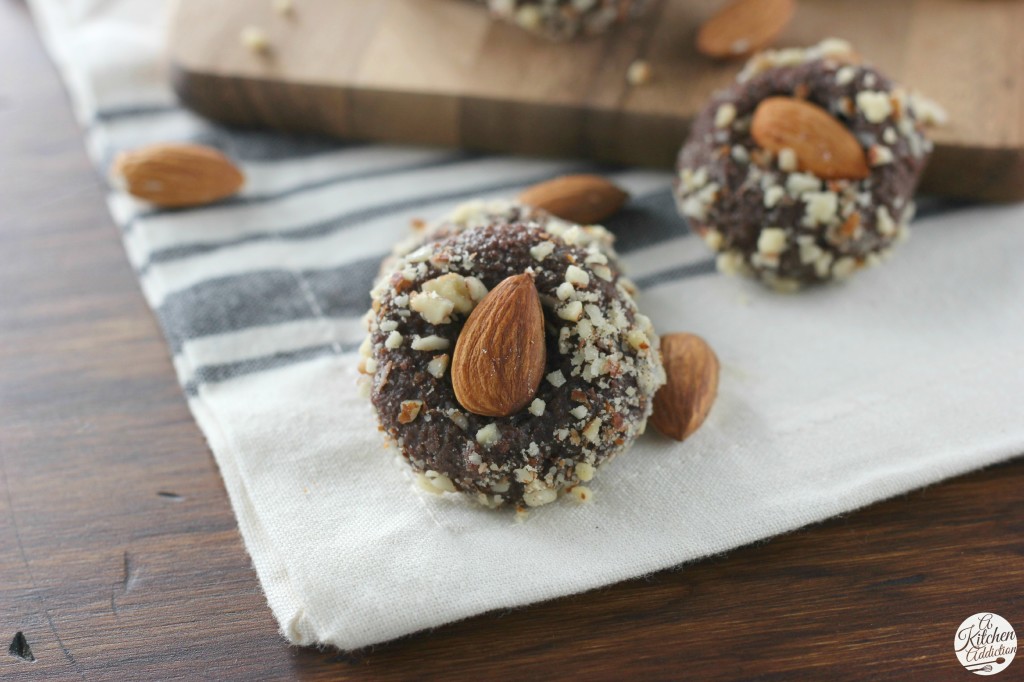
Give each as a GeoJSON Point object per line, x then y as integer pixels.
{"type": "Point", "coordinates": [804, 170]}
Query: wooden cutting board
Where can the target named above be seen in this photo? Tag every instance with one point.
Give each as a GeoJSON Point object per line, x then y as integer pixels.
{"type": "Point", "coordinates": [440, 72]}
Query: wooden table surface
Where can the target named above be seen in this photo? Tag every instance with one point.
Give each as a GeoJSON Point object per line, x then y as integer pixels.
{"type": "Point", "coordinates": [120, 558]}
{"type": "Point", "coordinates": [393, 73]}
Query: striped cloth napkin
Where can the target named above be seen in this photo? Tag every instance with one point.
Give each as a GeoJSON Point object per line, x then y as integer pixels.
{"type": "Point", "coordinates": [829, 400]}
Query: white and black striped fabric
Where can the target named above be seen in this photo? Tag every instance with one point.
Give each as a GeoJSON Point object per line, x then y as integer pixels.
{"type": "Point", "coordinates": [829, 400]}
{"type": "Point", "coordinates": [304, 240]}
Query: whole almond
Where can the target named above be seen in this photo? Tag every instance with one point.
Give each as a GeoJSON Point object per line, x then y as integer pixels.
{"type": "Point", "coordinates": [583, 199]}
{"type": "Point", "coordinates": [681, 405]}
{"type": "Point", "coordinates": [743, 27]}
{"type": "Point", "coordinates": [500, 355]}
{"type": "Point", "coordinates": [177, 175]}
{"type": "Point", "coordinates": [823, 145]}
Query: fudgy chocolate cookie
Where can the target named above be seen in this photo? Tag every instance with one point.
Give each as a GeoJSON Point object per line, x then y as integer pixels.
{"type": "Point", "coordinates": [565, 19]}
{"type": "Point", "coordinates": [769, 215]}
{"type": "Point", "coordinates": [602, 365]}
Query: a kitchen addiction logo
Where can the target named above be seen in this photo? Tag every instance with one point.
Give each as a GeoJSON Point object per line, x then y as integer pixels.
{"type": "Point", "coordinates": [985, 643]}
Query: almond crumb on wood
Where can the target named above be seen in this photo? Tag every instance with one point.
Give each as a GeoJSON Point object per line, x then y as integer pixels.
{"type": "Point", "coordinates": [638, 73]}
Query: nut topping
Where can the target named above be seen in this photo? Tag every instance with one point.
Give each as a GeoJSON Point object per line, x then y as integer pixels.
{"type": "Point", "coordinates": [500, 354]}
{"type": "Point", "coordinates": [822, 145]}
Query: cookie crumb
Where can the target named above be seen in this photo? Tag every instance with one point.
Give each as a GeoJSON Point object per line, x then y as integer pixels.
{"type": "Point", "coordinates": [638, 73]}
{"type": "Point", "coordinates": [436, 367]}
{"type": "Point", "coordinates": [488, 435]}
{"type": "Point", "coordinates": [929, 112]}
{"type": "Point", "coordinates": [538, 498]}
{"type": "Point", "coordinates": [725, 115]}
{"type": "Point", "coordinates": [537, 407]}
{"type": "Point", "coordinates": [255, 40]}
{"type": "Point", "coordinates": [581, 494]}
{"type": "Point", "coordinates": [410, 410]}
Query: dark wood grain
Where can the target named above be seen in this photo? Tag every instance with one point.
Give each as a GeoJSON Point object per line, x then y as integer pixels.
{"type": "Point", "coordinates": [440, 72]}
{"type": "Point", "coordinates": [120, 558]}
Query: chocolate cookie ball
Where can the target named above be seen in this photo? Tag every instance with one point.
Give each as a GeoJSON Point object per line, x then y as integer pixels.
{"type": "Point", "coordinates": [602, 365]}
{"type": "Point", "coordinates": [566, 19]}
{"type": "Point", "coordinates": [771, 214]}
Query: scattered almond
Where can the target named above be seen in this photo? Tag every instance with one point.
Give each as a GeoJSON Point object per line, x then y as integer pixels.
{"type": "Point", "coordinates": [743, 27]}
{"type": "Point", "coordinates": [823, 145]}
{"type": "Point", "coordinates": [583, 199]}
{"type": "Point", "coordinates": [681, 405]}
{"type": "Point", "coordinates": [177, 175]}
{"type": "Point", "coordinates": [500, 355]}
